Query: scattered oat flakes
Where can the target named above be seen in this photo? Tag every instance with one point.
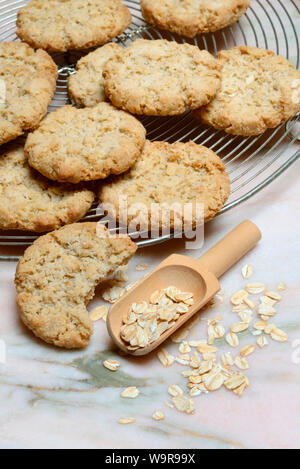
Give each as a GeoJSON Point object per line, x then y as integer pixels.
{"type": "Point", "coordinates": [112, 365]}
{"type": "Point", "coordinates": [195, 391]}
{"type": "Point", "coordinates": [239, 327]}
{"type": "Point", "coordinates": [227, 359]}
{"type": "Point", "coordinates": [183, 359]}
{"type": "Point", "coordinates": [165, 357]}
{"type": "Point", "coordinates": [175, 390]}
{"type": "Point", "coordinates": [248, 350]}
{"type": "Point", "coordinates": [241, 363]}
{"type": "Point", "coordinates": [235, 381]}
{"type": "Point", "coordinates": [250, 303]}
{"type": "Point", "coordinates": [267, 310]}
{"type": "Point", "coordinates": [245, 316]}
{"type": "Point", "coordinates": [262, 341]}
{"type": "Point", "coordinates": [99, 313]}
{"type": "Point", "coordinates": [267, 300]}
{"type": "Point", "coordinates": [188, 373]}
{"type": "Point", "coordinates": [219, 331]}
{"type": "Point", "coordinates": [255, 288]}
{"type": "Point", "coordinates": [206, 349]}
{"type": "Point", "coordinates": [213, 381]}
{"type": "Point", "coordinates": [130, 393]}
{"type": "Point", "coordinates": [184, 348]}
{"type": "Point", "coordinates": [239, 391]}
{"type": "Point", "coordinates": [142, 267]}
{"type": "Point", "coordinates": [278, 335]}
{"type": "Point", "coordinates": [158, 415]}
{"type": "Point", "coordinates": [184, 404]}
{"type": "Point", "coordinates": [195, 379]}
{"type": "Point", "coordinates": [273, 295]}
{"type": "Point", "coordinates": [195, 360]}
{"type": "Point", "coordinates": [247, 271]}
{"type": "Point", "coordinates": [121, 274]}
{"type": "Point", "coordinates": [260, 325]}
{"type": "Point", "coordinates": [196, 343]}
{"type": "Point", "coordinates": [127, 421]}
{"type": "Point", "coordinates": [205, 367]}
{"type": "Point", "coordinates": [269, 328]}
{"type": "Point", "coordinates": [232, 339]}
{"type": "Point", "coordinates": [113, 294]}
{"type": "Point", "coordinates": [239, 308]}
{"type": "Point", "coordinates": [239, 297]}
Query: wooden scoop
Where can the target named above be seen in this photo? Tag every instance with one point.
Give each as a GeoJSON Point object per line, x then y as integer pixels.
{"type": "Point", "coordinates": [199, 277]}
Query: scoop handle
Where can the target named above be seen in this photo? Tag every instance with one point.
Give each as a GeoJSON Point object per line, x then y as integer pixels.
{"type": "Point", "coordinates": [231, 249]}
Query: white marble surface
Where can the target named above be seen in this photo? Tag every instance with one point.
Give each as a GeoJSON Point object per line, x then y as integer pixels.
{"type": "Point", "coordinates": [60, 399]}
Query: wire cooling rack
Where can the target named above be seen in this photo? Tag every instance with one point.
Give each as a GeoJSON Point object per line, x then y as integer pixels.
{"type": "Point", "coordinates": [252, 162]}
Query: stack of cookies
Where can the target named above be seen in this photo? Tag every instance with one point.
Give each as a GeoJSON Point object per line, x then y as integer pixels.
{"type": "Point", "coordinates": [100, 146]}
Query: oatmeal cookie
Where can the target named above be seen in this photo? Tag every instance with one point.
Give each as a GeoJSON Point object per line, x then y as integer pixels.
{"type": "Point", "coordinates": [161, 78]}
{"type": "Point", "coordinates": [259, 90]}
{"type": "Point", "coordinates": [27, 85]}
{"type": "Point", "coordinates": [178, 173]}
{"type": "Point", "coordinates": [57, 277]}
{"type": "Point", "coordinates": [62, 25]}
{"type": "Point", "coordinates": [192, 17]}
{"type": "Point", "coordinates": [73, 145]}
{"type": "Point", "coordinates": [28, 201]}
{"type": "Point", "coordinates": [86, 85]}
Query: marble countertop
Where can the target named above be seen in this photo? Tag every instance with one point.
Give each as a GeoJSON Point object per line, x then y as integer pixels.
{"type": "Point", "coordinates": [50, 398]}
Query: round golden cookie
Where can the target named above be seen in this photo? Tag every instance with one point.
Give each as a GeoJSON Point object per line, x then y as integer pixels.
{"type": "Point", "coordinates": [57, 277]}
{"type": "Point", "coordinates": [168, 174]}
{"type": "Point", "coordinates": [28, 201]}
{"type": "Point", "coordinates": [161, 78]}
{"type": "Point", "coordinates": [62, 25]}
{"type": "Point", "coordinates": [27, 85]}
{"type": "Point", "coordinates": [192, 17]}
{"type": "Point", "coordinates": [73, 145]}
{"type": "Point", "coordinates": [86, 85]}
{"type": "Point", "coordinates": [260, 90]}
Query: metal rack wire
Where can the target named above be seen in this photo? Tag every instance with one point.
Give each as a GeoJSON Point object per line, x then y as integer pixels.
{"type": "Point", "coordinates": [252, 162]}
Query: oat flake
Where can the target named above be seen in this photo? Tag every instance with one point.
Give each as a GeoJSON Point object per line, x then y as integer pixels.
{"type": "Point", "coordinates": [130, 393]}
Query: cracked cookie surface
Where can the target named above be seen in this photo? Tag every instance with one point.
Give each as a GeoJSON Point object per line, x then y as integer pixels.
{"type": "Point", "coordinates": [27, 84]}
{"type": "Point", "coordinates": [178, 173]}
{"type": "Point", "coordinates": [161, 78]}
{"type": "Point", "coordinates": [62, 25]}
{"type": "Point", "coordinates": [86, 84]}
{"type": "Point", "coordinates": [28, 201]}
{"type": "Point", "coordinates": [259, 90]}
{"type": "Point", "coordinates": [192, 17]}
{"type": "Point", "coordinates": [73, 145]}
{"type": "Point", "coordinates": [57, 277]}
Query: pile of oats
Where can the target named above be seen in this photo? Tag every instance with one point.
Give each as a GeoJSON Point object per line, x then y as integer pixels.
{"type": "Point", "coordinates": [99, 313]}
{"type": "Point", "coordinates": [205, 373]}
{"type": "Point", "coordinates": [145, 322]}
{"type": "Point", "coordinates": [116, 287]}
